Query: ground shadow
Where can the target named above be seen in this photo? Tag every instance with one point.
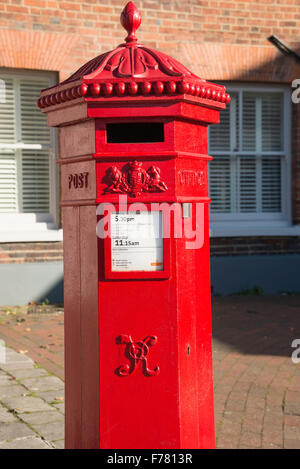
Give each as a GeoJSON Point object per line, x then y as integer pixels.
{"type": "Point", "coordinates": [259, 325]}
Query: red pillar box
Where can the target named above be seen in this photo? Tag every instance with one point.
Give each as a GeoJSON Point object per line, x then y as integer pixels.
{"type": "Point", "coordinates": [133, 144]}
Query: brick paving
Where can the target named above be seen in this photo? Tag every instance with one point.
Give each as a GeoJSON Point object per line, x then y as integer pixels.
{"type": "Point", "coordinates": [257, 386]}
{"type": "Point", "coordinates": [37, 331]}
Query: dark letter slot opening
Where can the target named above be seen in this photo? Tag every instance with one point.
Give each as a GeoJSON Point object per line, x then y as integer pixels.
{"type": "Point", "coordinates": [135, 132]}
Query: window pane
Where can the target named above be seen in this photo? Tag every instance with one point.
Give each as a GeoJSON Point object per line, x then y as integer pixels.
{"type": "Point", "coordinates": [24, 174]}
{"type": "Point", "coordinates": [271, 184]}
{"type": "Point", "coordinates": [220, 184]}
{"type": "Point", "coordinates": [249, 182]}
{"type": "Point", "coordinates": [272, 104]}
{"type": "Point", "coordinates": [35, 181]}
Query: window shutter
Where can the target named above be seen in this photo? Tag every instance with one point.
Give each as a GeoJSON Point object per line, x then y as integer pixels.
{"type": "Point", "coordinates": [247, 186]}
{"type": "Point", "coordinates": [271, 184]}
{"type": "Point", "coordinates": [8, 163]}
{"type": "Point", "coordinates": [272, 112]}
{"type": "Point", "coordinates": [24, 170]}
{"type": "Point", "coordinates": [220, 134]}
{"type": "Point", "coordinates": [35, 181]}
{"type": "Point", "coordinates": [225, 136]}
{"type": "Point", "coordinates": [220, 184]}
{"type": "Point", "coordinates": [35, 164]}
{"type": "Point", "coordinates": [249, 122]}
{"type": "Point", "coordinates": [8, 183]}
{"type": "Point", "coordinates": [272, 140]}
{"type": "Point", "coordinates": [34, 127]}
{"type": "Point", "coordinates": [7, 111]}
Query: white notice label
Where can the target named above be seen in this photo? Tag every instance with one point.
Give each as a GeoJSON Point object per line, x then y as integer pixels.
{"type": "Point", "coordinates": [137, 242]}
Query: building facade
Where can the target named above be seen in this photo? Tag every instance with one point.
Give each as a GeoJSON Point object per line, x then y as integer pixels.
{"type": "Point", "coordinates": [255, 174]}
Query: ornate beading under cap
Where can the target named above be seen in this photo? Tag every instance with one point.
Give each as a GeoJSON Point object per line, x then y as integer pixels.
{"type": "Point", "coordinates": [133, 70]}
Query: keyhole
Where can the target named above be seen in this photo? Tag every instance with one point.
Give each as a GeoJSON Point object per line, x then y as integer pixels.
{"type": "Point", "coordinates": [188, 349]}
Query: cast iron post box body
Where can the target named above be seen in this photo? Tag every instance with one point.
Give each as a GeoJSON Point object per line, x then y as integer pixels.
{"type": "Point", "coordinates": [133, 122]}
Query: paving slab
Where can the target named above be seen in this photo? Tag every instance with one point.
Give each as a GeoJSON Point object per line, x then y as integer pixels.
{"type": "Point", "coordinates": [14, 360]}
{"type": "Point", "coordinates": [6, 416]}
{"type": "Point", "coordinates": [27, 373]}
{"type": "Point", "coordinates": [60, 407]}
{"type": "Point", "coordinates": [14, 390]}
{"type": "Point", "coordinates": [51, 431]}
{"type": "Point", "coordinates": [19, 366]}
{"type": "Point", "coordinates": [39, 418]}
{"type": "Point", "coordinates": [60, 444]}
{"type": "Point", "coordinates": [11, 431]}
{"type": "Point", "coordinates": [28, 421]}
{"type": "Point", "coordinates": [53, 397]}
{"type": "Point", "coordinates": [26, 443]}
{"type": "Point", "coordinates": [25, 404]}
{"type": "Point", "coordinates": [5, 380]}
{"type": "Point", "coordinates": [43, 383]}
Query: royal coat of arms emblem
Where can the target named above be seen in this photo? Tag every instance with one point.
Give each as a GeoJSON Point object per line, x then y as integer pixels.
{"type": "Point", "coordinates": [133, 179]}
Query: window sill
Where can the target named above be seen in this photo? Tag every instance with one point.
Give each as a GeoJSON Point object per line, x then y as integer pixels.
{"type": "Point", "coordinates": [23, 234]}
{"type": "Point", "coordinates": [219, 230]}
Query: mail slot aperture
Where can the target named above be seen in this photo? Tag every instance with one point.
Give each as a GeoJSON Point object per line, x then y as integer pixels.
{"type": "Point", "coordinates": [137, 132]}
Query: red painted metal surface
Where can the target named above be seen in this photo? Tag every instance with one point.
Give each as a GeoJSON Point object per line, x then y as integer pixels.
{"type": "Point", "coordinates": [138, 343]}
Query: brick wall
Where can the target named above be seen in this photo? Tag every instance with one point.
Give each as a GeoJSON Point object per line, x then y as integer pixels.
{"type": "Point", "coordinates": [166, 23]}
{"type": "Point", "coordinates": [30, 252]}
{"type": "Point", "coordinates": [84, 29]}
{"type": "Point", "coordinates": [254, 245]}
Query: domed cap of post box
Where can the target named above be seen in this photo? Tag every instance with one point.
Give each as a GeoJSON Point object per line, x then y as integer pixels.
{"type": "Point", "coordinates": [134, 72]}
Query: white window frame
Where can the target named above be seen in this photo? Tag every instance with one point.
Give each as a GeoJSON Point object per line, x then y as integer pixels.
{"type": "Point", "coordinates": [22, 227]}
{"type": "Point", "coordinates": [264, 224]}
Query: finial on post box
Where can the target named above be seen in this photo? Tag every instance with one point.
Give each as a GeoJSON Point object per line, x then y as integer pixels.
{"type": "Point", "coordinates": [131, 20]}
